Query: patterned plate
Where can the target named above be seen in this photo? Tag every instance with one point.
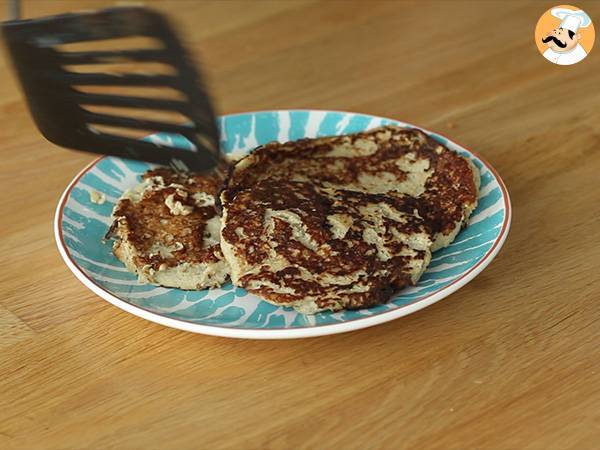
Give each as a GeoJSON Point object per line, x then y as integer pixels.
{"type": "Point", "coordinates": [229, 311]}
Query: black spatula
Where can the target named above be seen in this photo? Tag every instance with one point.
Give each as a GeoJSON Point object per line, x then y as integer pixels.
{"type": "Point", "coordinates": [68, 115]}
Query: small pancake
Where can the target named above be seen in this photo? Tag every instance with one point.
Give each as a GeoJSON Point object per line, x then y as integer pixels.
{"type": "Point", "coordinates": [167, 230]}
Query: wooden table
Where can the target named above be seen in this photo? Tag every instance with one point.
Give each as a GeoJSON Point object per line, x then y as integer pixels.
{"type": "Point", "coordinates": [510, 361]}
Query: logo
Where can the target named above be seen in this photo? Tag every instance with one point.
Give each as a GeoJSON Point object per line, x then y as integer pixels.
{"type": "Point", "coordinates": [565, 35]}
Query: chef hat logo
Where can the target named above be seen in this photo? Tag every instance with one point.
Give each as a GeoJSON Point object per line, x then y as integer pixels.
{"type": "Point", "coordinates": [571, 19]}
{"type": "Point", "coordinates": [564, 35]}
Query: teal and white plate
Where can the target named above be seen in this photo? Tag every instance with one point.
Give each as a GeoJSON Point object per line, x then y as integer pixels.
{"type": "Point", "coordinates": [230, 311]}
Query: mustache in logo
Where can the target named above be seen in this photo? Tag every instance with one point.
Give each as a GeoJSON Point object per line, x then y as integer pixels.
{"type": "Point", "coordinates": [555, 40]}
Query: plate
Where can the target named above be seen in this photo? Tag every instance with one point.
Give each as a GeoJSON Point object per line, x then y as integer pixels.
{"type": "Point", "coordinates": [231, 311]}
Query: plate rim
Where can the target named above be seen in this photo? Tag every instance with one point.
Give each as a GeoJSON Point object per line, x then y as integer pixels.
{"type": "Point", "coordinates": [286, 333]}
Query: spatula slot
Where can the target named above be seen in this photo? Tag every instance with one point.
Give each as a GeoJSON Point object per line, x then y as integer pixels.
{"type": "Point", "coordinates": [118, 43]}
{"type": "Point", "coordinates": [160, 92]}
{"type": "Point", "coordinates": [124, 67]}
{"type": "Point", "coordinates": [126, 132]}
{"type": "Point", "coordinates": [166, 116]}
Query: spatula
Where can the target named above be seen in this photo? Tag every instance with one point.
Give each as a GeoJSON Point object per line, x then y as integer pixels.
{"type": "Point", "coordinates": [70, 115]}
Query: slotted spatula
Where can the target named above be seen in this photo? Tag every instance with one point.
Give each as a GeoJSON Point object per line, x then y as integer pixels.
{"type": "Point", "coordinates": [62, 111]}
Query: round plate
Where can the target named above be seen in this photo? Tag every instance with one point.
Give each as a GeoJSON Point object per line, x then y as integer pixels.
{"type": "Point", "coordinates": [229, 311]}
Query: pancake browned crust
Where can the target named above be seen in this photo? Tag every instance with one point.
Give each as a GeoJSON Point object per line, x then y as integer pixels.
{"type": "Point", "coordinates": [388, 160]}
{"type": "Point", "coordinates": [167, 230]}
{"type": "Point", "coordinates": [316, 248]}
{"type": "Point", "coordinates": [343, 222]}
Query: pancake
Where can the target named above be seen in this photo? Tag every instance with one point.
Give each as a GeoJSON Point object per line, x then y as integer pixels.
{"type": "Point", "coordinates": [343, 222]}
{"type": "Point", "coordinates": [167, 230]}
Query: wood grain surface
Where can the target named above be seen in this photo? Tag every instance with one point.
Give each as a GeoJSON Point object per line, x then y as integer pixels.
{"type": "Point", "coordinates": [511, 361]}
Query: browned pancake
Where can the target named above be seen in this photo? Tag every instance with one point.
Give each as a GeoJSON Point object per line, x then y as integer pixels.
{"type": "Point", "coordinates": [167, 230]}
{"type": "Point", "coordinates": [345, 221]}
